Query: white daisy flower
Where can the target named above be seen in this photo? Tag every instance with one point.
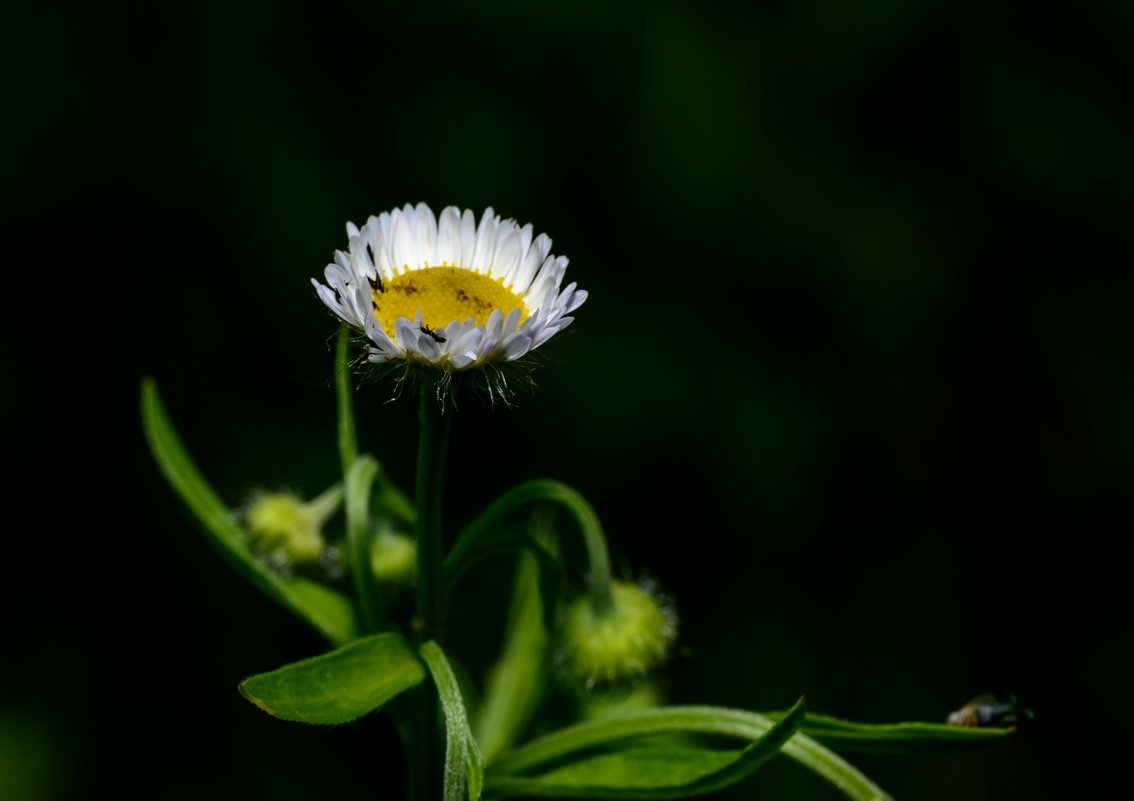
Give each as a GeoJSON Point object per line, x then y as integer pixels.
{"type": "Point", "coordinates": [447, 292]}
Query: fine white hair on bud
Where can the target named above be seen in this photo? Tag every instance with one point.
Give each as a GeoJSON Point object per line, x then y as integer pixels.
{"type": "Point", "coordinates": [619, 641]}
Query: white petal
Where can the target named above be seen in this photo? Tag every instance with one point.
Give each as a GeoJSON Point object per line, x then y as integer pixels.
{"type": "Point", "coordinates": [507, 255]}
{"type": "Point", "coordinates": [448, 248]}
{"type": "Point", "coordinates": [378, 337]}
{"type": "Point", "coordinates": [468, 238]}
{"type": "Point", "coordinates": [428, 347]}
{"type": "Point", "coordinates": [405, 246]}
{"type": "Point", "coordinates": [494, 327]}
{"type": "Point", "coordinates": [548, 281]}
{"type": "Point", "coordinates": [463, 360]}
{"type": "Point", "coordinates": [351, 230]}
{"type": "Point", "coordinates": [525, 266]}
{"type": "Point", "coordinates": [516, 346]}
{"type": "Point", "coordinates": [576, 301]}
{"type": "Point", "coordinates": [468, 341]}
{"type": "Point", "coordinates": [485, 243]}
{"type": "Point", "coordinates": [405, 334]}
{"type": "Point", "coordinates": [327, 295]}
{"type": "Point", "coordinates": [425, 232]}
{"type": "Point", "coordinates": [361, 303]}
{"type": "Point", "coordinates": [362, 263]}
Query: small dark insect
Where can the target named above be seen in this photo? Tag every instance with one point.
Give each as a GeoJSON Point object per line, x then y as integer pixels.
{"type": "Point", "coordinates": [375, 283]}
{"type": "Point", "coordinates": [988, 710]}
{"type": "Point", "coordinates": [436, 336]}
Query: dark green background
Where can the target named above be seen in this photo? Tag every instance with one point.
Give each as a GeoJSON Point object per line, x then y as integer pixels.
{"type": "Point", "coordinates": [853, 382]}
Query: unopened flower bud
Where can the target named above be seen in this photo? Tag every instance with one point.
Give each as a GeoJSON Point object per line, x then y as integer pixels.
{"type": "Point", "coordinates": [282, 525]}
{"type": "Point", "coordinates": [617, 641]}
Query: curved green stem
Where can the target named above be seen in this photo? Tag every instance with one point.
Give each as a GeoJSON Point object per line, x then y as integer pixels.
{"type": "Point", "coordinates": [474, 536]}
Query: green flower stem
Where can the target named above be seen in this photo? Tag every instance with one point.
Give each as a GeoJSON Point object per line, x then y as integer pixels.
{"type": "Point", "coordinates": [388, 497]}
{"type": "Point", "coordinates": [326, 504]}
{"type": "Point", "coordinates": [348, 440]}
{"type": "Point", "coordinates": [426, 747]}
{"type": "Point", "coordinates": [359, 479]}
{"type": "Point", "coordinates": [433, 441]}
{"type": "Point", "coordinates": [470, 541]}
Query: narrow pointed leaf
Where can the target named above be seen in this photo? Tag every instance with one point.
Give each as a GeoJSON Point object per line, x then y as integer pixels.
{"type": "Point", "coordinates": [895, 738]}
{"type": "Point", "coordinates": [650, 772]}
{"type": "Point", "coordinates": [560, 745]}
{"type": "Point", "coordinates": [339, 686]}
{"type": "Point", "coordinates": [326, 610]}
{"type": "Point", "coordinates": [517, 681]}
{"type": "Point", "coordinates": [463, 762]}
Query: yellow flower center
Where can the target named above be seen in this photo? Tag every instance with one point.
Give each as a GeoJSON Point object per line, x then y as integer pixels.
{"type": "Point", "coordinates": [442, 295]}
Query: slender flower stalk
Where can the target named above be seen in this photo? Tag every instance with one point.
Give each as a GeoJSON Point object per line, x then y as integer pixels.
{"type": "Point", "coordinates": [348, 440]}
{"type": "Point", "coordinates": [433, 441]}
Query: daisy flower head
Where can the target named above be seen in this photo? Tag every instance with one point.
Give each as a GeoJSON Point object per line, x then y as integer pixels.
{"type": "Point", "coordinates": [446, 292]}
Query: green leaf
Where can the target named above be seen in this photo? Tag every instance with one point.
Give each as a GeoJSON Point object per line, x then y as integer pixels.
{"type": "Point", "coordinates": [463, 761]}
{"type": "Point", "coordinates": [328, 611]}
{"type": "Point", "coordinates": [896, 738]}
{"type": "Point", "coordinates": [833, 768]}
{"type": "Point", "coordinates": [686, 720]}
{"type": "Point", "coordinates": [339, 686]}
{"type": "Point", "coordinates": [516, 682]}
{"type": "Point", "coordinates": [650, 772]}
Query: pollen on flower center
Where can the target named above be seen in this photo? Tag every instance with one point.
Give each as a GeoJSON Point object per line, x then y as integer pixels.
{"type": "Point", "coordinates": [443, 295]}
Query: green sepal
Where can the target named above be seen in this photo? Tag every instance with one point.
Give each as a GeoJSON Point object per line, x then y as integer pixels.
{"type": "Point", "coordinates": [648, 772]}
{"type": "Point", "coordinates": [328, 611]}
{"type": "Point", "coordinates": [339, 686]}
